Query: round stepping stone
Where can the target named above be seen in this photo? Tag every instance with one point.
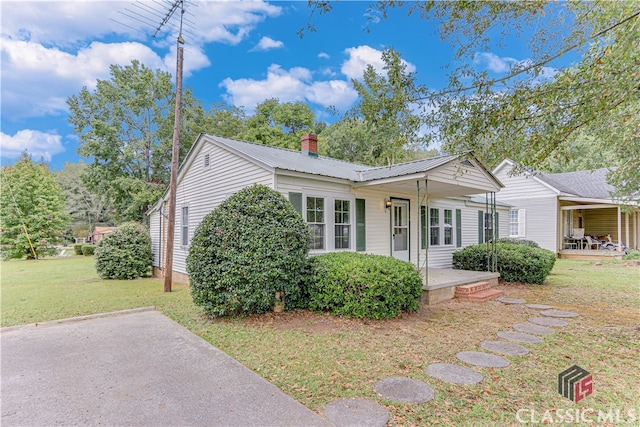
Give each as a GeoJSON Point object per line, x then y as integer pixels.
{"type": "Point", "coordinates": [502, 347]}
{"type": "Point", "coordinates": [454, 373]}
{"type": "Point", "coordinates": [559, 313]}
{"type": "Point", "coordinates": [479, 358]}
{"type": "Point", "coordinates": [403, 389]}
{"type": "Point", "coordinates": [540, 306]}
{"type": "Point", "coordinates": [356, 412]}
{"type": "Point", "coordinates": [530, 328]}
{"type": "Point", "coordinates": [547, 321]}
{"type": "Point", "coordinates": [519, 337]}
{"type": "Point", "coordinates": [507, 300]}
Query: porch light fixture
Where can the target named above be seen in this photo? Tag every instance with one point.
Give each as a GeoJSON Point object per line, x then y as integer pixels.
{"type": "Point", "coordinates": [387, 204]}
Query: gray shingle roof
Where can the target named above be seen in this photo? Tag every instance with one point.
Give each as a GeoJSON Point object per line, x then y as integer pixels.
{"type": "Point", "coordinates": [297, 161]}
{"type": "Point", "coordinates": [588, 184]}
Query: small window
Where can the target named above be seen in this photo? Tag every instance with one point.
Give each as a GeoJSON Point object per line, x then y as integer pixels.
{"type": "Point", "coordinates": [516, 223]}
{"type": "Point", "coordinates": [448, 227]}
{"type": "Point", "coordinates": [184, 235]}
{"type": "Point", "coordinates": [434, 227]}
{"type": "Point", "coordinates": [206, 161]}
{"type": "Point", "coordinates": [342, 224]}
{"type": "Point", "coordinates": [315, 219]}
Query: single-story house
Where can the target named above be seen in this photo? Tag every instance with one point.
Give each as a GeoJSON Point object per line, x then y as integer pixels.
{"type": "Point", "coordinates": [98, 233]}
{"type": "Point", "coordinates": [572, 214]}
{"type": "Point", "coordinates": [420, 211]}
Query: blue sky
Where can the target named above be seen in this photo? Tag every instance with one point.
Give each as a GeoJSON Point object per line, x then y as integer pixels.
{"type": "Point", "coordinates": [237, 52]}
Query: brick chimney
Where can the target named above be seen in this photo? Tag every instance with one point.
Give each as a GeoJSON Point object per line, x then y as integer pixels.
{"type": "Point", "coordinates": [310, 144]}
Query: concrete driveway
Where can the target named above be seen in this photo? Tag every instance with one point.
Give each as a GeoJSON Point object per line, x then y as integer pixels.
{"type": "Point", "coordinates": [135, 368]}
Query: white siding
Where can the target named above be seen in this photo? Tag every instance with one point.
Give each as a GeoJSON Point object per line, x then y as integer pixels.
{"type": "Point", "coordinates": [203, 189]}
{"type": "Point", "coordinates": [155, 231]}
{"type": "Point", "coordinates": [540, 202]}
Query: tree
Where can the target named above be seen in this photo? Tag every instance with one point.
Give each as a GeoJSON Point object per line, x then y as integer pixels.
{"type": "Point", "coordinates": [385, 108]}
{"type": "Point", "coordinates": [126, 125]}
{"type": "Point", "coordinates": [538, 108]}
{"type": "Point", "coordinates": [32, 215]}
{"type": "Point", "coordinates": [84, 208]}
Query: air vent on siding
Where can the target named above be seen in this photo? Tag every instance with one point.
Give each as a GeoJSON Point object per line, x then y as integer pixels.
{"type": "Point", "coordinates": [206, 161]}
{"type": "Point", "coordinates": [467, 163]}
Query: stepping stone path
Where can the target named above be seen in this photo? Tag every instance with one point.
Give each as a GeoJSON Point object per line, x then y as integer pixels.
{"type": "Point", "coordinates": [547, 321]}
{"type": "Point", "coordinates": [363, 412]}
{"type": "Point", "coordinates": [507, 348]}
{"type": "Point", "coordinates": [356, 412]}
{"type": "Point", "coordinates": [559, 313]}
{"type": "Point", "coordinates": [479, 358]}
{"type": "Point", "coordinates": [454, 373]}
{"type": "Point", "coordinates": [511, 300]}
{"type": "Point", "coordinates": [406, 390]}
{"type": "Point", "coordinates": [530, 328]}
{"type": "Point", "coordinates": [539, 306]}
{"type": "Point", "coordinates": [519, 337]}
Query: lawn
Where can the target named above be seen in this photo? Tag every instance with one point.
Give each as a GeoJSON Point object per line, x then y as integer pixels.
{"type": "Point", "coordinates": [318, 358]}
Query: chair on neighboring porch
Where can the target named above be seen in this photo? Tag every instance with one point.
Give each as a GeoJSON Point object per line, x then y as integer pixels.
{"type": "Point", "coordinates": [577, 236]}
{"type": "Point", "coordinates": [592, 242]}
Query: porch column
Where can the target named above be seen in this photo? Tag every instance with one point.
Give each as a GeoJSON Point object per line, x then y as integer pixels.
{"type": "Point", "coordinates": [619, 229]}
{"type": "Point", "coordinates": [626, 230]}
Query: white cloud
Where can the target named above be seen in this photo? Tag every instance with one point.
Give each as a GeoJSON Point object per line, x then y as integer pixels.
{"type": "Point", "coordinates": [494, 62]}
{"type": "Point", "coordinates": [267, 43]}
{"type": "Point", "coordinates": [361, 56]}
{"type": "Point", "coordinates": [323, 55]}
{"type": "Point", "coordinates": [38, 144]}
{"type": "Point", "coordinates": [290, 85]}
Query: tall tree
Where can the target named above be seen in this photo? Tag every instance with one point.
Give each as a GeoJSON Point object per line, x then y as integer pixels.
{"type": "Point", "coordinates": [32, 209]}
{"type": "Point", "coordinates": [386, 109]}
{"type": "Point", "coordinates": [538, 108]}
{"type": "Point", "coordinates": [125, 127]}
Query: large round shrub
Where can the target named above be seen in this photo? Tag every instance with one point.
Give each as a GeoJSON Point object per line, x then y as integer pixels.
{"type": "Point", "coordinates": [516, 262]}
{"type": "Point", "coordinates": [251, 247]}
{"type": "Point", "coordinates": [360, 285]}
{"type": "Point", "coordinates": [124, 253]}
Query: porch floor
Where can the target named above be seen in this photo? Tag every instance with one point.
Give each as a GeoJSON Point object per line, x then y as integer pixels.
{"type": "Point", "coordinates": [589, 255]}
{"type": "Point", "coordinates": [442, 282]}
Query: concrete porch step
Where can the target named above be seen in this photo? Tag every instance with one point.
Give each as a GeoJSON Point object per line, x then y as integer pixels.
{"type": "Point", "coordinates": [472, 287]}
{"type": "Point", "coordinates": [482, 295]}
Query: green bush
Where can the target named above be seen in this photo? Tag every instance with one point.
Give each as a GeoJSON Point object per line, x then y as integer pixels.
{"type": "Point", "coordinates": [516, 263]}
{"type": "Point", "coordinates": [77, 249]}
{"type": "Point", "coordinates": [251, 247]}
{"type": "Point", "coordinates": [632, 255]}
{"type": "Point", "coordinates": [512, 241]}
{"type": "Point", "coordinates": [125, 253]}
{"type": "Point", "coordinates": [88, 249]}
{"type": "Point", "coordinates": [363, 286]}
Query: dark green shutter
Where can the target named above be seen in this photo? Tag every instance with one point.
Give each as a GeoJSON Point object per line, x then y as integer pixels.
{"type": "Point", "coordinates": [497, 229]}
{"type": "Point", "coordinates": [423, 227]}
{"type": "Point", "coordinates": [480, 227]}
{"type": "Point", "coordinates": [296, 201]}
{"type": "Point", "coordinates": [361, 228]}
{"type": "Point", "coordinates": [458, 228]}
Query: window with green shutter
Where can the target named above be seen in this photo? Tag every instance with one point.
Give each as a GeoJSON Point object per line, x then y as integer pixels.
{"type": "Point", "coordinates": [296, 201]}
{"type": "Point", "coordinates": [361, 230]}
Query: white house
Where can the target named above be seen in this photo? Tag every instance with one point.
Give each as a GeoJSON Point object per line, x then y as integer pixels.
{"type": "Point", "coordinates": [572, 214]}
{"type": "Point", "coordinates": [420, 211]}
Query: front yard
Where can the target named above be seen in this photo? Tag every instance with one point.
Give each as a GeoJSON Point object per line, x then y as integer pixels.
{"type": "Point", "coordinates": [318, 358]}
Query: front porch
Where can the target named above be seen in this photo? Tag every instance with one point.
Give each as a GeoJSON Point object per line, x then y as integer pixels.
{"type": "Point", "coordinates": [442, 282]}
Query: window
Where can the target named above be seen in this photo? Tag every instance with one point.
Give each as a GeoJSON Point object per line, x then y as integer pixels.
{"type": "Point", "coordinates": [488, 227]}
{"type": "Point", "coordinates": [448, 227]}
{"type": "Point", "coordinates": [342, 224]}
{"type": "Point", "coordinates": [315, 219]}
{"type": "Point", "coordinates": [516, 223]}
{"type": "Point", "coordinates": [205, 163]}
{"type": "Point", "coordinates": [434, 226]}
{"type": "Point", "coordinates": [184, 230]}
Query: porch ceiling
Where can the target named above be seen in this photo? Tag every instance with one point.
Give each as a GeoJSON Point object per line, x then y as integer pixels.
{"type": "Point", "coordinates": [436, 189]}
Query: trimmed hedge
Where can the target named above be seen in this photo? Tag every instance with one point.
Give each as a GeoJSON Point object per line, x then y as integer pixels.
{"type": "Point", "coordinates": [513, 241]}
{"type": "Point", "coordinates": [88, 249]}
{"type": "Point", "coordinates": [251, 247]}
{"type": "Point", "coordinates": [124, 253]}
{"type": "Point", "coordinates": [516, 263]}
{"type": "Point", "coordinates": [363, 286]}
{"type": "Point", "coordinates": [77, 249]}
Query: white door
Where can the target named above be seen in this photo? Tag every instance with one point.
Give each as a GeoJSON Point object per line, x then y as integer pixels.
{"type": "Point", "coordinates": [400, 230]}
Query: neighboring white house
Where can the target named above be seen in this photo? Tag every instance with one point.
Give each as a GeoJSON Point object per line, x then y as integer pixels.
{"type": "Point", "coordinates": [412, 211]}
{"type": "Point", "coordinates": [572, 214]}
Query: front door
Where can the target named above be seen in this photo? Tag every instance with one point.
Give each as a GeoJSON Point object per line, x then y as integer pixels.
{"type": "Point", "coordinates": [400, 229]}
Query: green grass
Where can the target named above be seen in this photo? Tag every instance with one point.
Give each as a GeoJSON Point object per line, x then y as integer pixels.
{"type": "Point", "coordinates": [318, 358]}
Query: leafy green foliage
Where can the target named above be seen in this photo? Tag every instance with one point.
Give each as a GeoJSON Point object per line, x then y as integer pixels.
{"type": "Point", "coordinates": [245, 251]}
{"type": "Point", "coordinates": [364, 286]}
{"type": "Point", "coordinates": [516, 262]}
{"type": "Point", "coordinates": [514, 241]}
{"type": "Point", "coordinates": [88, 249]}
{"type": "Point", "coordinates": [125, 253]}
{"type": "Point", "coordinates": [77, 249]}
{"type": "Point", "coordinates": [30, 197]}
